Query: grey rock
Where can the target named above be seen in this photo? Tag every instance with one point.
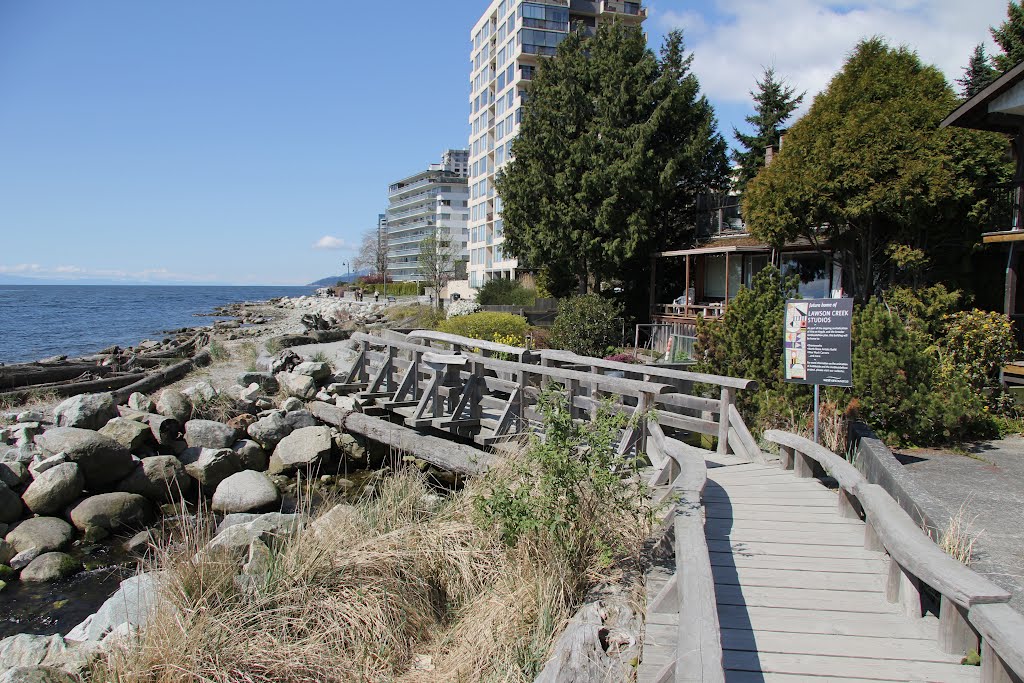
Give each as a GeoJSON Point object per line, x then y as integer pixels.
{"type": "Point", "coordinates": [42, 464]}
{"type": "Point", "coordinates": [88, 411]}
{"type": "Point", "coordinates": [209, 434]}
{"type": "Point", "coordinates": [291, 404]}
{"type": "Point", "coordinates": [250, 393]}
{"type": "Point", "coordinates": [32, 416]}
{"type": "Point", "coordinates": [245, 492]}
{"type": "Point", "coordinates": [37, 674]}
{"type": "Point", "coordinates": [10, 504]}
{"type": "Point", "coordinates": [111, 511]}
{"type": "Point", "coordinates": [345, 402]}
{"type": "Point", "coordinates": [54, 489]}
{"type": "Point", "coordinates": [161, 478]}
{"type": "Point", "coordinates": [213, 467]}
{"type": "Point", "coordinates": [236, 518]}
{"type": "Point", "coordinates": [14, 474]}
{"type": "Point", "coordinates": [102, 460]}
{"type": "Point", "coordinates": [266, 381]}
{"type": "Point", "coordinates": [26, 650]}
{"type": "Point", "coordinates": [7, 552]}
{"type": "Point", "coordinates": [50, 567]}
{"type": "Point", "coordinates": [270, 430]}
{"type": "Point", "coordinates": [141, 403]}
{"type": "Point", "coordinates": [270, 528]}
{"type": "Point", "coordinates": [201, 392]}
{"type": "Point", "coordinates": [251, 455]}
{"type": "Point", "coordinates": [258, 569]}
{"type": "Point", "coordinates": [134, 604]}
{"type": "Point", "coordinates": [164, 429]}
{"type": "Point", "coordinates": [318, 371]}
{"type": "Point", "coordinates": [24, 558]}
{"type": "Point", "coordinates": [297, 419]}
{"type": "Point", "coordinates": [297, 386]}
{"type": "Point", "coordinates": [45, 533]}
{"type": "Point", "coordinates": [173, 403]}
{"type": "Point", "coordinates": [24, 454]}
{"type": "Point", "coordinates": [140, 542]}
{"type": "Point", "coordinates": [131, 434]}
{"type": "Point", "coordinates": [303, 448]}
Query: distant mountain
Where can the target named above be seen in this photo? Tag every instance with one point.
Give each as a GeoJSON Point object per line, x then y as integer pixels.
{"type": "Point", "coordinates": [335, 279]}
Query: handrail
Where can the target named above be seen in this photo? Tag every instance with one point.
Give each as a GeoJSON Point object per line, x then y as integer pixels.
{"type": "Point", "coordinates": [467, 342]}
{"type": "Point", "coordinates": [653, 371]}
{"type": "Point", "coordinates": [972, 609]}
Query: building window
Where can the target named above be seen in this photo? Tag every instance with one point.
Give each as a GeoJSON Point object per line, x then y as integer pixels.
{"type": "Point", "coordinates": [544, 16]}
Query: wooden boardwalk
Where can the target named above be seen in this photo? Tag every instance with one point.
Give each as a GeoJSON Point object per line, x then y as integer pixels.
{"type": "Point", "coordinates": [798, 596]}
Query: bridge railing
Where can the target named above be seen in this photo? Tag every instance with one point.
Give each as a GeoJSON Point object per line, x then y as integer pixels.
{"type": "Point", "coordinates": [973, 614]}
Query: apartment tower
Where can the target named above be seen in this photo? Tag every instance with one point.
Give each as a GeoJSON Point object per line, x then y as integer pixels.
{"type": "Point", "coordinates": [436, 198]}
{"type": "Point", "coordinates": [505, 46]}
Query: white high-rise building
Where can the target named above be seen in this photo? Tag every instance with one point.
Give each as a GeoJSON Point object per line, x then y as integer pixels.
{"type": "Point", "coordinates": [435, 199]}
{"type": "Point", "coordinates": [505, 45]}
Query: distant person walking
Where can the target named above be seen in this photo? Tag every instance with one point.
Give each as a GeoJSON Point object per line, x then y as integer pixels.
{"type": "Point", "coordinates": [376, 297]}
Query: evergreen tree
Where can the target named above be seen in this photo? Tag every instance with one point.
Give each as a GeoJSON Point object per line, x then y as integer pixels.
{"type": "Point", "coordinates": [1009, 36]}
{"type": "Point", "coordinates": [775, 103]}
{"type": "Point", "coordinates": [978, 73]}
{"type": "Point", "coordinates": [614, 148]}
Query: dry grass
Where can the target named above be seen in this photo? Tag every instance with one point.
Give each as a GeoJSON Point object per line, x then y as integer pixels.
{"type": "Point", "coordinates": [248, 353]}
{"type": "Point", "coordinates": [44, 400]}
{"type": "Point", "coordinates": [959, 536]}
{"type": "Point", "coordinates": [404, 585]}
{"type": "Point", "coordinates": [220, 408]}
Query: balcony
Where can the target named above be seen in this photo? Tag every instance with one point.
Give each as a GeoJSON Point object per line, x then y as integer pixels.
{"type": "Point", "coordinates": [633, 9]}
{"type": "Point", "coordinates": [1005, 223]}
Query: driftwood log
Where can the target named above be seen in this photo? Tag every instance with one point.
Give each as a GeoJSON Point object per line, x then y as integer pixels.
{"type": "Point", "coordinates": [442, 453]}
{"type": "Point", "coordinates": [158, 379]}
{"type": "Point", "coordinates": [71, 388]}
{"type": "Point", "coordinates": [29, 374]}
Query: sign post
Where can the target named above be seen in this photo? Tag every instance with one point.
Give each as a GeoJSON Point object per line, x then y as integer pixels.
{"type": "Point", "coordinates": [818, 347]}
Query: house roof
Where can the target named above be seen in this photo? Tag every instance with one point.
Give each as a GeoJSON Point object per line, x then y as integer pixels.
{"type": "Point", "coordinates": [731, 245]}
{"type": "Point", "coordinates": [998, 107]}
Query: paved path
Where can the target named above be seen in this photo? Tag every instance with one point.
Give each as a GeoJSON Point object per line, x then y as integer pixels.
{"type": "Point", "coordinates": [799, 598]}
{"type": "Point", "coordinates": [990, 486]}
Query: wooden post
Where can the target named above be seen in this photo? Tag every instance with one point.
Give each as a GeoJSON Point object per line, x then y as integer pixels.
{"type": "Point", "coordinates": [849, 508]}
{"type": "Point", "coordinates": [871, 540]}
{"type": "Point", "coordinates": [686, 288]}
{"type": "Point", "coordinates": [994, 669]}
{"type": "Point", "coordinates": [803, 466]}
{"type": "Point", "coordinates": [903, 588]}
{"type": "Point", "coordinates": [364, 370]}
{"type": "Point", "coordinates": [785, 458]}
{"type": "Point", "coordinates": [654, 283]}
{"type": "Point", "coordinates": [728, 396]}
{"type": "Point", "coordinates": [956, 637]}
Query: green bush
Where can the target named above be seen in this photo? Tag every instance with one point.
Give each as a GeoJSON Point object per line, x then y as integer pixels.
{"type": "Point", "coordinates": [501, 292]}
{"type": "Point", "coordinates": [486, 326]}
{"type": "Point", "coordinates": [397, 288]}
{"type": "Point", "coordinates": [587, 325]}
{"type": "Point", "coordinates": [977, 345]}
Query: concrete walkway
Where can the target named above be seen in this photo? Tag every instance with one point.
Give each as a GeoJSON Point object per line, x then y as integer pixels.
{"type": "Point", "coordinates": [989, 483]}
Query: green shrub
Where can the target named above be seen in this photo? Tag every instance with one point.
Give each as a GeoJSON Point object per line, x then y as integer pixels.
{"type": "Point", "coordinates": [397, 288]}
{"type": "Point", "coordinates": [977, 345]}
{"type": "Point", "coordinates": [486, 326]}
{"type": "Point", "coordinates": [587, 325]}
{"type": "Point", "coordinates": [925, 308]}
{"type": "Point", "coordinates": [501, 292]}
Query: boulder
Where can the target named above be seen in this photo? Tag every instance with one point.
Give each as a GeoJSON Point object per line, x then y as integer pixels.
{"type": "Point", "coordinates": [141, 403]}
{"type": "Point", "coordinates": [304, 448]}
{"type": "Point", "coordinates": [201, 392]}
{"type": "Point", "coordinates": [7, 552]}
{"type": "Point", "coordinates": [297, 386]}
{"type": "Point", "coordinates": [24, 558]}
{"type": "Point", "coordinates": [40, 465]}
{"type": "Point", "coordinates": [134, 603]}
{"type": "Point", "coordinates": [317, 371]}
{"type": "Point", "coordinates": [213, 466]}
{"type": "Point", "coordinates": [43, 533]}
{"type": "Point", "coordinates": [102, 460]}
{"type": "Point", "coordinates": [161, 478]}
{"type": "Point", "coordinates": [291, 404]}
{"type": "Point", "coordinates": [165, 430]}
{"type": "Point", "coordinates": [269, 431]}
{"type": "Point", "coordinates": [131, 434]}
{"type": "Point", "coordinates": [271, 528]}
{"type": "Point", "coordinates": [297, 419]}
{"type": "Point", "coordinates": [209, 434]}
{"type": "Point", "coordinates": [10, 505]}
{"type": "Point", "coordinates": [50, 567]}
{"type": "Point", "coordinates": [265, 380]}
{"type": "Point", "coordinates": [37, 674]}
{"type": "Point", "coordinates": [250, 393]}
{"type": "Point", "coordinates": [111, 511]}
{"type": "Point", "coordinates": [251, 455]}
{"type": "Point", "coordinates": [54, 489]}
{"type": "Point", "coordinates": [26, 650]}
{"type": "Point", "coordinates": [173, 403]}
{"type": "Point", "coordinates": [246, 491]}
{"type": "Point", "coordinates": [32, 416]}
{"type": "Point", "coordinates": [14, 474]}
{"type": "Point", "coordinates": [87, 411]}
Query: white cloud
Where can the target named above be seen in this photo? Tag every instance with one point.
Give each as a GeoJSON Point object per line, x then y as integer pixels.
{"type": "Point", "coordinates": [807, 41]}
{"type": "Point", "coordinates": [74, 273]}
{"type": "Point", "coordinates": [329, 242]}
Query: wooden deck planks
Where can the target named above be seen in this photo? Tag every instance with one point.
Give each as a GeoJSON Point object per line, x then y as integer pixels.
{"type": "Point", "coordinates": [799, 598]}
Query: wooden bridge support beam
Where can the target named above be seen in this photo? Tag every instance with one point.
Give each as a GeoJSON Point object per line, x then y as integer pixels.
{"type": "Point", "coordinates": [727, 399]}
{"type": "Point", "coordinates": [956, 635]}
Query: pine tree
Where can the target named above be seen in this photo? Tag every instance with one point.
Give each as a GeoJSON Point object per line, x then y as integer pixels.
{"type": "Point", "coordinates": [775, 103]}
{"type": "Point", "coordinates": [978, 73]}
{"type": "Point", "coordinates": [1009, 36]}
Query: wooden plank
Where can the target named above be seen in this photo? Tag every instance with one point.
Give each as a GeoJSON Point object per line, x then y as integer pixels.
{"type": "Point", "coordinates": [882, 625]}
{"type": "Point", "coordinates": [813, 665]}
{"type": "Point", "coordinates": [781, 537]}
{"type": "Point", "coordinates": [754, 548]}
{"type": "Point", "coordinates": [800, 598]}
{"type": "Point", "coordinates": [832, 645]}
{"type": "Point", "coordinates": [699, 650]}
{"type": "Point", "coordinates": [821, 578]}
{"type": "Point", "coordinates": [700, 403]}
{"type": "Point", "coordinates": [855, 530]}
{"type": "Point", "coordinates": [815, 515]}
{"type": "Point", "coordinates": [690, 424]}
{"type": "Point", "coordinates": [848, 565]}
{"type": "Point", "coordinates": [761, 677]}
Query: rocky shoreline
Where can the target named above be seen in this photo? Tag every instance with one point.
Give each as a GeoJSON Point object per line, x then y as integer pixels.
{"type": "Point", "coordinates": [89, 478]}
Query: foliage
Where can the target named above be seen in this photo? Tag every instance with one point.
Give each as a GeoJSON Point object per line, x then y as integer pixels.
{"type": "Point", "coordinates": [978, 73]}
{"type": "Point", "coordinates": [924, 308]}
{"type": "Point", "coordinates": [622, 358]}
{"type": "Point", "coordinates": [509, 340]}
{"type": "Point", "coordinates": [977, 345]}
{"type": "Point", "coordinates": [502, 292]}
{"type": "Point", "coordinates": [438, 259]}
{"type": "Point", "coordinates": [249, 355]}
{"type": "Point", "coordinates": [573, 475]}
{"type": "Point", "coordinates": [218, 352]}
{"type": "Point", "coordinates": [373, 252]}
{"type": "Point", "coordinates": [899, 389]}
{"type": "Point", "coordinates": [396, 288]}
{"type": "Point", "coordinates": [774, 104]}
{"type": "Point", "coordinates": [461, 307]}
{"type": "Point", "coordinates": [415, 316]}
{"type": "Point", "coordinates": [1009, 36]}
{"type": "Point", "coordinates": [868, 167]}
{"type": "Point", "coordinates": [485, 325]}
{"type": "Point", "coordinates": [587, 325]}
{"type": "Point", "coordinates": [614, 148]}
{"type": "Point", "coordinates": [375, 279]}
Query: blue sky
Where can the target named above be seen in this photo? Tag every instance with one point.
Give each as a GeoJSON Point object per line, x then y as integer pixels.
{"type": "Point", "coordinates": [217, 142]}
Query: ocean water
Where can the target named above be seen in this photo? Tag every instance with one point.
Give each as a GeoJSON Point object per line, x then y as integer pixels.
{"type": "Point", "coordinates": [39, 321]}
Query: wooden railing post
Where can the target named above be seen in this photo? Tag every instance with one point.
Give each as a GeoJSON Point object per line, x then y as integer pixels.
{"type": "Point", "coordinates": [803, 465]}
{"type": "Point", "coordinates": [956, 636]}
{"type": "Point", "coordinates": [728, 396]}
{"type": "Point", "coordinates": [785, 457]}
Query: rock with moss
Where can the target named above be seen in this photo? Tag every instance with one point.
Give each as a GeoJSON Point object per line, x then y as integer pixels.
{"type": "Point", "coordinates": [50, 567]}
{"type": "Point", "coordinates": [161, 478]}
{"type": "Point", "coordinates": [112, 511]}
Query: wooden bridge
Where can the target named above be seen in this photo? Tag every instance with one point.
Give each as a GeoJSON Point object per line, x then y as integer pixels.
{"type": "Point", "coordinates": [788, 569]}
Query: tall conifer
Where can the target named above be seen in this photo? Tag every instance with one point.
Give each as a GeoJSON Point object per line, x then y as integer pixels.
{"type": "Point", "coordinates": [978, 73]}
{"type": "Point", "coordinates": [774, 104]}
{"type": "Point", "coordinates": [1009, 36]}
